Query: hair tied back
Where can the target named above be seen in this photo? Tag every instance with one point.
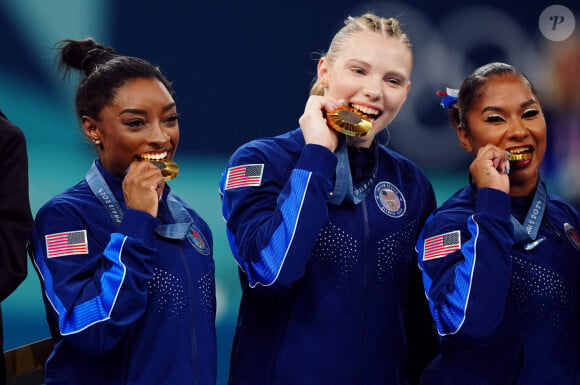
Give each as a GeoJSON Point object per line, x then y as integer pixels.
{"type": "Point", "coordinates": [94, 57]}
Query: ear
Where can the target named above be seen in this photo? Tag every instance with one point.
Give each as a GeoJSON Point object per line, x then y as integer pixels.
{"type": "Point", "coordinates": [464, 138]}
{"type": "Point", "coordinates": [90, 128]}
{"type": "Point", "coordinates": [322, 71]}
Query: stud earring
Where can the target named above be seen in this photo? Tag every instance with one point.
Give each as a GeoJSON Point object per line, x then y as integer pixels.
{"type": "Point", "coordinates": [96, 141]}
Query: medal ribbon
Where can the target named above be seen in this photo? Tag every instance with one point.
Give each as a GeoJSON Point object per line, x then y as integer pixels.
{"type": "Point", "coordinates": [102, 191]}
{"type": "Point", "coordinates": [529, 230]}
{"type": "Point", "coordinates": [343, 188]}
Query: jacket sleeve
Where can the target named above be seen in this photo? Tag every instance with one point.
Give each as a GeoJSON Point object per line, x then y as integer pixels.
{"type": "Point", "coordinates": [466, 263]}
{"type": "Point", "coordinates": [16, 218]}
{"type": "Point", "coordinates": [95, 286]}
{"type": "Point", "coordinates": [272, 228]}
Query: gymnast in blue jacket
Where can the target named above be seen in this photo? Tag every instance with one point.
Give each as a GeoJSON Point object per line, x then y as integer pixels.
{"type": "Point", "coordinates": [126, 266]}
{"type": "Point", "coordinates": [501, 258]}
{"type": "Point", "coordinates": [323, 226]}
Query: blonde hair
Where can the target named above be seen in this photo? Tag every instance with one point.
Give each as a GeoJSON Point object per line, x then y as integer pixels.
{"type": "Point", "coordinates": [388, 27]}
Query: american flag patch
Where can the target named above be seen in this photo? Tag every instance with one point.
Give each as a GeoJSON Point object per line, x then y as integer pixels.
{"type": "Point", "coordinates": [244, 176]}
{"type": "Point", "coordinates": [69, 243]}
{"type": "Point", "coordinates": [441, 245]}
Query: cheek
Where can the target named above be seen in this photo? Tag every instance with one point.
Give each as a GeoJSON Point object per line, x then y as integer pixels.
{"type": "Point", "coordinates": [541, 147]}
{"type": "Point", "coordinates": [174, 134]}
{"type": "Point", "coordinates": [394, 100]}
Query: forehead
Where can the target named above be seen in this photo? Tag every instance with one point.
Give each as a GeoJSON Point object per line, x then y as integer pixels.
{"type": "Point", "coordinates": [378, 50]}
{"type": "Point", "coordinates": [505, 90]}
{"type": "Point", "coordinates": [141, 93]}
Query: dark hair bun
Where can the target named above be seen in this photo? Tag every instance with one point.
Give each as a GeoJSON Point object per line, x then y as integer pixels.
{"type": "Point", "coordinates": [84, 54]}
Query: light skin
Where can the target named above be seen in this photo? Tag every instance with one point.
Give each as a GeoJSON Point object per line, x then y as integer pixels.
{"type": "Point", "coordinates": [371, 71]}
{"type": "Point", "coordinates": [141, 121]}
{"type": "Point", "coordinates": [507, 118]}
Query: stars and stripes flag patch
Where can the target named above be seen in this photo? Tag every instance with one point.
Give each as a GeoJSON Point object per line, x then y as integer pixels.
{"type": "Point", "coordinates": [441, 245]}
{"type": "Point", "coordinates": [69, 243]}
{"type": "Point", "coordinates": [244, 176]}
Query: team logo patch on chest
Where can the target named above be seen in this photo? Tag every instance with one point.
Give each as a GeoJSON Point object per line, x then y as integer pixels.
{"type": "Point", "coordinates": [198, 241]}
{"type": "Point", "coordinates": [572, 235]}
{"type": "Point", "coordinates": [390, 199]}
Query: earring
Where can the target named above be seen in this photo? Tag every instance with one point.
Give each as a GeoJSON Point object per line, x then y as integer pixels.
{"type": "Point", "coordinates": [96, 142]}
{"type": "Point", "coordinates": [384, 136]}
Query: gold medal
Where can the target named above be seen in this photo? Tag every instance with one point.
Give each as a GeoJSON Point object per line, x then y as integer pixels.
{"type": "Point", "coordinates": [518, 157]}
{"type": "Point", "coordinates": [169, 169]}
{"type": "Point", "coordinates": [349, 121]}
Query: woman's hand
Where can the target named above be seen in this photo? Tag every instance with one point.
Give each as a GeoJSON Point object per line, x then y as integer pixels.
{"type": "Point", "coordinates": [143, 186]}
{"type": "Point", "coordinates": [491, 168]}
{"type": "Point", "coordinates": [313, 122]}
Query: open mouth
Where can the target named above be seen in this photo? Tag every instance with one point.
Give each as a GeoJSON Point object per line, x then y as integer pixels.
{"type": "Point", "coordinates": [370, 113]}
{"type": "Point", "coordinates": [152, 156]}
{"type": "Point", "coordinates": [169, 169]}
{"type": "Point", "coordinates": [518, 154]}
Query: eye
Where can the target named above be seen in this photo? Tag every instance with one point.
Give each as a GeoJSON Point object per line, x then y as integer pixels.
{"type": "Point", "coordinates": [394, 81]}
{"type": "Point", "coordinates": [172, 120]}
{"type": "Point", "coordinates": [135, 123]}
{"type": "Point", "coordinates": [495, 119]}
{"type": "Point", "coordinates": [530, 113]}
{"type": "Point", "coordinates": [358, 70]}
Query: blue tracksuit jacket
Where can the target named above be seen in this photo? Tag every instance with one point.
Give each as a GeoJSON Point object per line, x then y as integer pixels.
{"type": "Point", "coordinates": [331, 292]}
{"type": "Point", "coordinates": [125, 304]}
{"type": "Point", "coordinates": [508, 313]}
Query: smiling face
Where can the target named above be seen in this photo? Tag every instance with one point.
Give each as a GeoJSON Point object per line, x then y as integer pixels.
{"type": "Point", "coordinates": [508, 114]}
{"type": "Point", "coordinates": [371, 73]}
{"type": "Point", "coordinates": [141, 122]}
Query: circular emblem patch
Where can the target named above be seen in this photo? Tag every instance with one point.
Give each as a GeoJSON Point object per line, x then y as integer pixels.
{"type": "Point", "coordinates": [390, 200]}
{"type": "Point", "coordinates": [197, 240]}
{"type": "Point", "coordinates": [572, 235]}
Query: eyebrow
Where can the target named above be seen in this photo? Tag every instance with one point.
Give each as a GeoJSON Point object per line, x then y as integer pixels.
{"type": "Point", "coordinates": [366, 65]}
{"type": "Point", "coordinates": [143, 112]}
{"type": "Point", "coordinates": [523, 105]}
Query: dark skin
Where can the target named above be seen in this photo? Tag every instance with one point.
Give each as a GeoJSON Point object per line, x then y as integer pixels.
{"type": "Point", "coordinates": [140, 122]}
{"type": "Point", "coordinates": [507, 118]}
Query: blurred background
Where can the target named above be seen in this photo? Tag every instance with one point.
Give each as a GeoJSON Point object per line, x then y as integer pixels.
{"type": "Point", "coordinates": [242, 70]}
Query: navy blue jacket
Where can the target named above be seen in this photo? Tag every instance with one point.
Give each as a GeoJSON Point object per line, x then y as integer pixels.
{"type": "Point", "coordinates": [125, 305]}
{"type": "Point", "coordinates": [331, 291]}
{"type": "Point", "coordinates": [508, 312]}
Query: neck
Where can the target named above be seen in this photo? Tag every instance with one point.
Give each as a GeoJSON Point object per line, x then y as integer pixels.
{"type": "Point", "coordinates": [523, 189]}
{"type": "Point", "coordinates": [359, 141]}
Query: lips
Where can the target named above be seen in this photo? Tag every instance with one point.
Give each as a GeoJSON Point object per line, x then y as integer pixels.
{"type": "Point", "coordinates": [152, 155]}
{"type": "Point", "coordinates": [372, 113]}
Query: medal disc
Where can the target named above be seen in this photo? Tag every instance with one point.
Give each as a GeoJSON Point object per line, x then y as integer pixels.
{"type": "Point", "coordinates": [349, 121]}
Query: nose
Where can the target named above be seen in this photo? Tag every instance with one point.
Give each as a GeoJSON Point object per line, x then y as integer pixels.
{"type": "Point", "coordinates": [372, 89]}
{"type": "Point", "coordinates": [159, 134]}
{"type": "Point", "coordinates": [518, 129]}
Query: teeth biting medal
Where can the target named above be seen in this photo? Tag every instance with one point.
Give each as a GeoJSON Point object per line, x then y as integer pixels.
{"type": "Point", "coordinates": [517, 156]}
{"type": "Point", "coordinates": [349, 121]}
{"type": "Point", "coordinates": [169, 169]}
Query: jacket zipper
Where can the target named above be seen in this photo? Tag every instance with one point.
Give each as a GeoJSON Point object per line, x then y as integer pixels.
{"type": "Point", "coordinates": [191, 290]}
{"type": "Point", "coordinates": [362, 329]}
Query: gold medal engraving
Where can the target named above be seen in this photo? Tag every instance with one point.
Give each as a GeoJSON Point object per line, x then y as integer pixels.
{"type": "Point", "coordinates": [169, 169]}
{"type": "Point", "coordinates": [349, 121]}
